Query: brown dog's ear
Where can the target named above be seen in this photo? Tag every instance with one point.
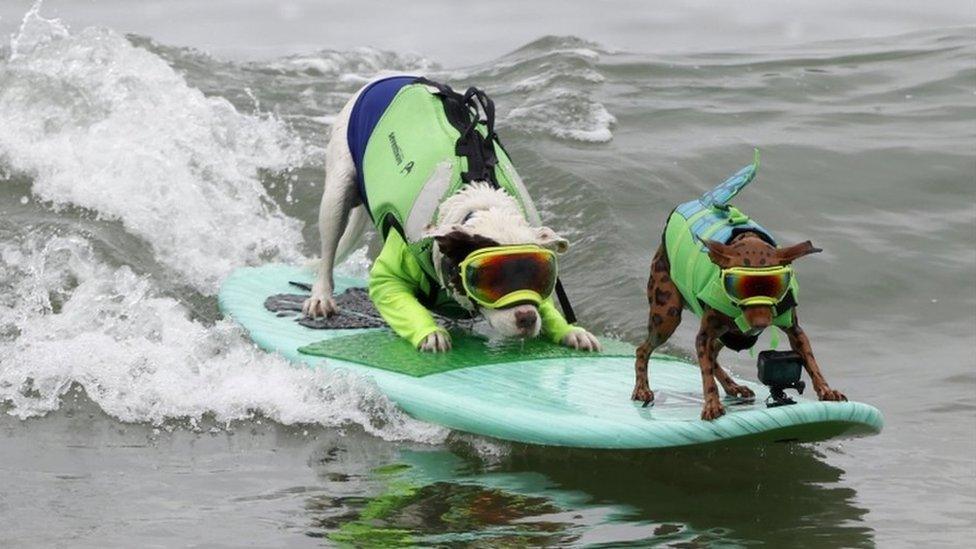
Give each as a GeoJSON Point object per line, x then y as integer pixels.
{"type": "Point", "coordinates": [720, 254]}
{"type": "Point", "coordinates": [458, 244]}
{"type": "Point", "coordinates": [785, 256]}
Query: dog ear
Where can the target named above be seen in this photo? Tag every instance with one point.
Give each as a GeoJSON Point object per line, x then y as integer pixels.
{"type": "Point", "coordinates": [433, 231]}
{"type": "Point", "coordinates": [548, 238]}
{"type": "Point", "coordinates": [785, 256]}
{"type": "Point", "coordinates": [720, 254]}
{"type": "Point", "coordinates": [457, 245]}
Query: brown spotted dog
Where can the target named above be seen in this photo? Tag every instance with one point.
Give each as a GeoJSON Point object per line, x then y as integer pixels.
{"type": "Point", "coordinates": [718, 330]}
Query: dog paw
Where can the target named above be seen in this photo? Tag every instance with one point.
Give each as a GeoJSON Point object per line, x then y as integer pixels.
{"type": "Point", "coordinates": [318, 306]}
{"type": "Point", "coordinates": [642, 394]}
{"type": "Point", "coordinates": [831, 394]}
{"type": "Point", "coordinates": [582, 340]}
{"type": "Point", "coordinates": [713, 409]}
{"type": "Point", "coordinates": [436, 342]}
{"type": "Point", "coordinates": [740, 391]}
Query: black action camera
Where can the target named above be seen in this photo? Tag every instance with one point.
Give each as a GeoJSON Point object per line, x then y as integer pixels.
{"type": "Point", "coordinates": [780, 370]}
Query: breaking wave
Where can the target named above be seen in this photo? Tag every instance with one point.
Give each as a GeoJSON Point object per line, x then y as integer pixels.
{"type": "Point", "coordinates": [69, 319]}
{"type": "Point", "coordinates": [98, 132]}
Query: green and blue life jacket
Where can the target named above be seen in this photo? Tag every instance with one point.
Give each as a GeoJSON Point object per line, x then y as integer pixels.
{"type": "Point", "coordinates": [414, 143]}
{"type": "Point", "coordinates": [698, 279]}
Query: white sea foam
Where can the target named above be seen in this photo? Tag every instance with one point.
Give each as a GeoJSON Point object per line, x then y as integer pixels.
{"type": "Point", "coordinates": [71, 319]}
{"type": "Point", "coordinates": [542, 80]}
{"type": "Point", "coordinates": [354, 67]}
{"type": "Point", "coordinates": [565, 114]}
{"type": "Point", "coordinates": [104, 125]}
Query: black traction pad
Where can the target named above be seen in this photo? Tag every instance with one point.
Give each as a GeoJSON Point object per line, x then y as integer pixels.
{"type": "Point", "coordinates": [355, 311]}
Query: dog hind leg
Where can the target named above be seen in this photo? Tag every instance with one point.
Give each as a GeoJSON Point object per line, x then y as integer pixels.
{"type": "Point", "coordinates": [664, 318]}
{"type": "Point", "coordinates": [355, 228]}
{"type": "Point", "coordinates": [339, 198]}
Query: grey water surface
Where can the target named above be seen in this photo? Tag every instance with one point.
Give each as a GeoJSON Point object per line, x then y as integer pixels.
{"type": "Point", "coordinates": [147, 149]}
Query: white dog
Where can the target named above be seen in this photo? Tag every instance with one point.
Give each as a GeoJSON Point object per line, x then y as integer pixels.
{"type": "Point", "coordinates": [455, 218]}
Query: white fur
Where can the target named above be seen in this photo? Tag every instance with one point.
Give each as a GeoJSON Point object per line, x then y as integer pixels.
{"type": "Point", "coordinates": [339, 198]}
{"type": "Point", "coordinates": [495, 214]}
{"type": "Point", "coordinates": [477, 209]}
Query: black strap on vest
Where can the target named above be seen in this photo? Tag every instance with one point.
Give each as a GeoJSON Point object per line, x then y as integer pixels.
{"type": "Point", "coordinates": [478, 149]}
{"type": "Point", "coordinates": [567, 307]}
{"type": "Point", "coordinates": [464, 113]}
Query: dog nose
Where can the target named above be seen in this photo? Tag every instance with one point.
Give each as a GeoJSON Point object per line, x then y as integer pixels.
{"type": "Point", "coordinates": [759, 317]}
{"type": "Point", "coordinates": [525, 320]}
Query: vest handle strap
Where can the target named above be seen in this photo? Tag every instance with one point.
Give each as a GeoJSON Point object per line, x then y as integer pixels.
{"type": "Point", "coordinates": [564, 303]}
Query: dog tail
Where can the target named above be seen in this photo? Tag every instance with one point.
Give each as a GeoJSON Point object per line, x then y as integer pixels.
{"type": "Point", "coordinates": [720, 196]}
{"type": "Point", "coordinates": [355, 228]}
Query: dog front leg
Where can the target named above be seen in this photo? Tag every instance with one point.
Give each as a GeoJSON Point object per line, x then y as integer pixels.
{"type": "Point", "coordinates": [800, 343]}
{"type": "Point", "coordinates": [708, 333]}
{"type": "Point", "coordinates": [731, 387]}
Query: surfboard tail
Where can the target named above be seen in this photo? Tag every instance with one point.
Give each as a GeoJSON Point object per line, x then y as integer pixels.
{"type": "Point", "coordinates": [721, 195]}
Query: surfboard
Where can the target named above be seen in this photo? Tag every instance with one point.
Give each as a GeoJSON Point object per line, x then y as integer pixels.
{"type": "Point", "coordinates": [531, 392]}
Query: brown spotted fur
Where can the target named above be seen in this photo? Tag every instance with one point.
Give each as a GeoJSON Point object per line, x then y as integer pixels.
{"type": "Point", "coordinates": [666, 303]}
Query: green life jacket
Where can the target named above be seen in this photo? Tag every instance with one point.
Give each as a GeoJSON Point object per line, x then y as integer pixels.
{"type": "Point", "coordinates": [693, 272]}
{"type": "Point", "coordinates": [425, 146]}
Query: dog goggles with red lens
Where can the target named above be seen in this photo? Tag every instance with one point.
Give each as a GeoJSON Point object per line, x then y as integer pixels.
{"type": "Point", "coordinates": [756, 286]}
{"type": "Point", "coordinates": [500, 276]}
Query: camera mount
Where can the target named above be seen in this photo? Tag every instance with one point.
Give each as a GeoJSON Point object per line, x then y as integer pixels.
{"type": "Point", "coordinates": [780, 370]}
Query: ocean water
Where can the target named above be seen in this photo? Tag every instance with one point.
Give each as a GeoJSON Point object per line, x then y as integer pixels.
{"type": "Point", "coordinates": [148, 150]}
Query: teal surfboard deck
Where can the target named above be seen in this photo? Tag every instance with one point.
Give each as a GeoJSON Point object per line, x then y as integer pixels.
{"type": "Point", "coordinates": [532, 392]}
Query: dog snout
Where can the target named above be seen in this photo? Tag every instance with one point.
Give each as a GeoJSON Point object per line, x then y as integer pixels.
{"type": "Point", "coordinates": [759, 317]}
{"type": "Point", "coordinates": [525, 320]}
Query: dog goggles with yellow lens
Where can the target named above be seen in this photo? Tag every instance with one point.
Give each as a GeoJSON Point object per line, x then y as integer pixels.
{"type": "Point", "coordinates": [500, 276]}
{"type": "Point", "coordinates": [756, 286]}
